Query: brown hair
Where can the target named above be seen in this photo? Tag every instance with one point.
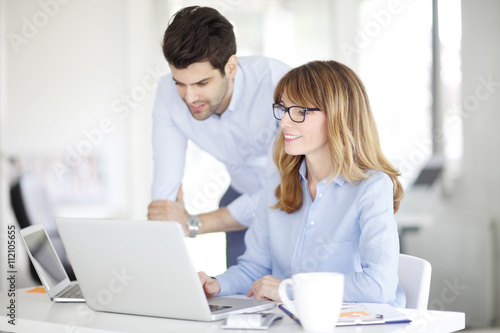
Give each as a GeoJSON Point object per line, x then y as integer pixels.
{"type": "Point", "coordinates": [353, 139]}
{"type": "Point", "coordinates": [197, 34]}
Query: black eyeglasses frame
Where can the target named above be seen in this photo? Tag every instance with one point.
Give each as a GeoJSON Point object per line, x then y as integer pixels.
{"type": "Point", "coordinates": [288, 110]}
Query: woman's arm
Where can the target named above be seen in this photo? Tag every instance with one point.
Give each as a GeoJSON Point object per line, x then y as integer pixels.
{"type": "Point", "coordinates": [378, 244]}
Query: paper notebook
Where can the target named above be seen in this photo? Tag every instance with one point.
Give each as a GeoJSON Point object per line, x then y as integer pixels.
{"type": "Point", "coordinates": [353, 314]}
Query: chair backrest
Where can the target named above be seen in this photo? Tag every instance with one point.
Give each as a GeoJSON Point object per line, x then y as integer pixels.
{"type": "Point", "coordinates": [32, 204]}
{"type": "Point", "coordinates": [415, 279]}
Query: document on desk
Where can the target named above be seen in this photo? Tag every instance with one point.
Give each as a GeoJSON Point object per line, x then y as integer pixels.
{"type": "Point", "coordinates": [364, 314]}
{"type": "Point", "coordinates": [370, 313]}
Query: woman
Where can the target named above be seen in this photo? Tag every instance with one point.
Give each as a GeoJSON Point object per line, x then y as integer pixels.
{"type": "Point", "coordinates": [331, 205]}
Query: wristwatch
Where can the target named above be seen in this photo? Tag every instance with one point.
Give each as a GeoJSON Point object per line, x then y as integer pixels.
{"type": "Point", "coordinates": [193, 225]}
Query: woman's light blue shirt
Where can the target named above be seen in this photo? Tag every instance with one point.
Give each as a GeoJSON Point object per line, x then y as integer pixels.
{"type": "Point", "coordinates": [348, 228]}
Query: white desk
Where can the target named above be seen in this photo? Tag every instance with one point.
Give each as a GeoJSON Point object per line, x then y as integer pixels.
{"type": "Point", "coordinates": [36, 313]}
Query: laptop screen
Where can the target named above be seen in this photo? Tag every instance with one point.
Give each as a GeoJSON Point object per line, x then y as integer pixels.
{"type": "Point", "coordinates": [44, 257]}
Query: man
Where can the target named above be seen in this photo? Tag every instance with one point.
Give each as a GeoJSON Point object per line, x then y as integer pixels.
{"type": "Point", "coordinates": [221, 103]}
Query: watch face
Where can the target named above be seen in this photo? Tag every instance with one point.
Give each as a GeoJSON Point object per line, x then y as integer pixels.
{"type": "Point", "coordinates": [193, 224]}
{"type": "Point", "coordinates": [195, 221]}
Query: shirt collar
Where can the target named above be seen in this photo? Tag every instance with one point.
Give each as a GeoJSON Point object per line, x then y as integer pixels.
{"type": "Point", "coordinates": [303, 171]}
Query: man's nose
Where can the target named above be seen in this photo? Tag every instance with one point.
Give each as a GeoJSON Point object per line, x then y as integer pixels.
{"type": "Point", "coordinates": [191, 95]}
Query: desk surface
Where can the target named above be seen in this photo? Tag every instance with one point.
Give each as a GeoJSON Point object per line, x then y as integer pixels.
{"type": "Point", "coordinates": [36, 313]}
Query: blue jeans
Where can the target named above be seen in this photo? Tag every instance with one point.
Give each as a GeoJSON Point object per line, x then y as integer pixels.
{"type": "Point", "coordinates": [235, 240]}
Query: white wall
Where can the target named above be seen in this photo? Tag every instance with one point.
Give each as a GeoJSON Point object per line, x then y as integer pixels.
{"type": "Point", "coordinates": [479, 186]}
{"type": "Point", "coordinates": [78, 82]}
{"type": "Point", "coordinates": [462, 242]}
{"type": "Point", "coordinates": [3, 163]}
{"type": "Point", "coordinates": [75, 89]}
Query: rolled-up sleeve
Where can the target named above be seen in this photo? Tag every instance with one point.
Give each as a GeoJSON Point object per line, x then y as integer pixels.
{"type": "Point", "coordinates": [244, 207]}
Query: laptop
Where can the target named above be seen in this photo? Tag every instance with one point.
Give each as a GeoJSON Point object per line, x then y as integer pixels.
{"type": "Point", "coordinates": [142, 268]}
{"type": "Point", "coordinates": [48, 266]}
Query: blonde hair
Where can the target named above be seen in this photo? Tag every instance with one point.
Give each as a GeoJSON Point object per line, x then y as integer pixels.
{"type": "Point", "coordinates": [353, 139]}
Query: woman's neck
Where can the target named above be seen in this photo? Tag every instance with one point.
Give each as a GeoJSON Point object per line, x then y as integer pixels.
{"type": "Point", "coordinates": [318, 168]}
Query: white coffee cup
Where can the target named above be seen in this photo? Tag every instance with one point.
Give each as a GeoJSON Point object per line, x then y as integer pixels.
{"type": "Point", "coordinates": [318, 299]}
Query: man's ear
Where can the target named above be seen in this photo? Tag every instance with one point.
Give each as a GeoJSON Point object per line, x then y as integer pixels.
{"type": "Point", "coordinates": [231, 67]}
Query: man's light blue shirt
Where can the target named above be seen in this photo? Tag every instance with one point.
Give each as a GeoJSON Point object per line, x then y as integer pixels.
{"type": "Point", "coordinates": [348, 228]}
{"type": "Point", "coordinates": [240, 138]}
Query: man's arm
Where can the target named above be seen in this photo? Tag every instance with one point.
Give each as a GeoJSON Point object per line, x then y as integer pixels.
{"type": "Point", "coordinates": [218, 220]}
{"type": "Point", "coordinates": [169, 143]}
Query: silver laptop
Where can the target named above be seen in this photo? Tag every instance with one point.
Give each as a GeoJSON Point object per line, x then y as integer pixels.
{"type": "Point", "coordinates": [48, 266]}
{"type": "Point", "coordinates": [142, 268]}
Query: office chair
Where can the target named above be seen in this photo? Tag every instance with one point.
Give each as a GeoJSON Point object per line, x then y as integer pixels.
{"type": "Point", "coordinates": [415, 278]}
{"type": "Point", "coordinates": [31, 205]}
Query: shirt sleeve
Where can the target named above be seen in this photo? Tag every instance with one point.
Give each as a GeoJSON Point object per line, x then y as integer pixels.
{"type": "Point", "coordinates": [244, 207]}
{"type": "Point", "coordinates": [255, 262]}
{"type": "Point", "coordinates": [378, 245]}
{"type": "Point", "coordinates": [169, 148]}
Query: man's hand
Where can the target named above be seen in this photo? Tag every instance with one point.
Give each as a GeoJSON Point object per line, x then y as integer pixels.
{"type": "Point", "coordinates": [218, 220]}
{"type": "Point", "coordinates": [266, 288]}
{"type": "Point", "coordinates": [210, 285]}
{"type": "Point", "coordinates": [169, 210]}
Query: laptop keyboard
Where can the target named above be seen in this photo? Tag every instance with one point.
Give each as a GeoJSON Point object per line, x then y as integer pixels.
{"type": "Point", "coordinates": [72, 292]}
{"type": "Point", "coordinates": [214, 307]}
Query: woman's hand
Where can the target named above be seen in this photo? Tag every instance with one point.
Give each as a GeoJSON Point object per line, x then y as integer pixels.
{"type": "Point", "coordinates": [210, 285]}
{"type": "Point", "coordinates": [266, 288]}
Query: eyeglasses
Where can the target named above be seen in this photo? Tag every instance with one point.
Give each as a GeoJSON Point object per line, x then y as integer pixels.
{"type": "Point", "coordinates": [297, 113]}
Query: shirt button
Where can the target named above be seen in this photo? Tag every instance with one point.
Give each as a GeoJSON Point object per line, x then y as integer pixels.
{"type": "Point", "coordinates": [312, 222]}
{"type": "Point", "coordinates": [320, 195]}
